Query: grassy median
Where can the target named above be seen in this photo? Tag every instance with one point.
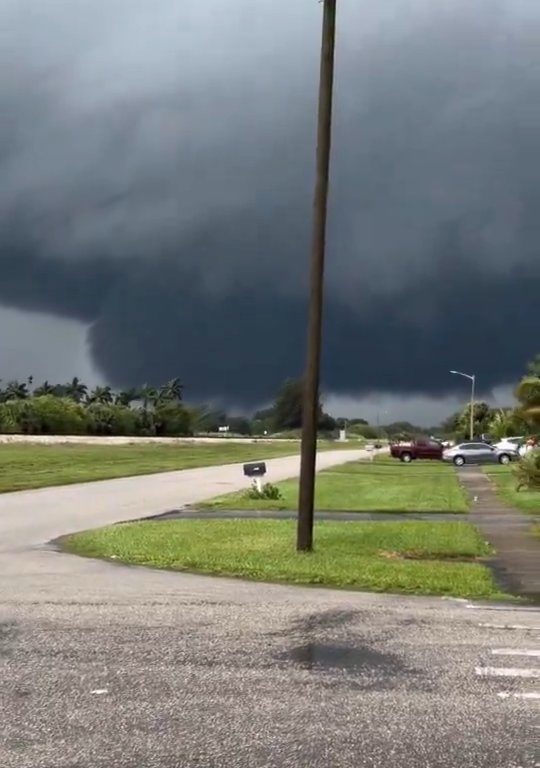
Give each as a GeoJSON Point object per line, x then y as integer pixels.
{"type": "Point", "coordinates": [505, 482]}
{"type": "Point", "coordinates": [385, 485]}
{"type": "Point", "coordinates": [35, 466]}
{"type": "Point", "coordinates": [409, 557]}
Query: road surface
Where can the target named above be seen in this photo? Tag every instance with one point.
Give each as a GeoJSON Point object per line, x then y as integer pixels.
{"type": "Point", "coordinates": [107, 666]}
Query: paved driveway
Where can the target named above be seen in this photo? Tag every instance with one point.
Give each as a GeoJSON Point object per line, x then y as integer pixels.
{"type": "Point", "coordinates": [106, 666]}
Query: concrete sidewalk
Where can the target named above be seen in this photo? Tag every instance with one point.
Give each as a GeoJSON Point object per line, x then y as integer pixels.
{"type": "Point", "coordinates": [517, 562]}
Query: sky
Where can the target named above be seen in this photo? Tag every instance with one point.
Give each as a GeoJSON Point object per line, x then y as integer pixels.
{"type": "Point", "coordinates": [156, 166]}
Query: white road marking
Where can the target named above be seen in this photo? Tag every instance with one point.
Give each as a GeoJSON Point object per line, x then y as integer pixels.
{"type": "Point", "coordinates": [529, 696]}
{"type": "Point", "coordinates": [516, 652]}
{"type": "Point", "coordinates": [99, 691]}
{"type": "Point", "coordinates": [506, 672]}
{"type": "Point", "coordinates": [524, 627]}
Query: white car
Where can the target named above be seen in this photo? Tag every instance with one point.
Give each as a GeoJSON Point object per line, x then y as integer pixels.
{"type": "Point", "coordinates": [511, 443]}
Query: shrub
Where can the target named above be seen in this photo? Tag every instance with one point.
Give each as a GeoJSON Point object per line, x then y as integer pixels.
{"type": "Point", "coordinates": [527, 471]}
{"type": "Point", "coordinates": [268, 491]}
{"type": "Point", "coordinates": [173, 419]}
{"type": "Point", "coordinates": [49, 415]}
{"type": "Point", "coordinates": [45, 415]}
{"type": "Point", "coordinates": [108, 419]}
{"type": "Point", "coordinates": [9, 424]}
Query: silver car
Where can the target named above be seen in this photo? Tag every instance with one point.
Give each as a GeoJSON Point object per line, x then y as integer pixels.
{"type": "Point", "coordinates": [479, 453]}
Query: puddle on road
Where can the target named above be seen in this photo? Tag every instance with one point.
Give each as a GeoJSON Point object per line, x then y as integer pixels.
{"type": "Point", "coordinates": [320, 657]}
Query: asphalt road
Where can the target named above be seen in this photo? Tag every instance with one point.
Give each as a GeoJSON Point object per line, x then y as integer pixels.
{"type": "Point", "coordinates": [105, 666]}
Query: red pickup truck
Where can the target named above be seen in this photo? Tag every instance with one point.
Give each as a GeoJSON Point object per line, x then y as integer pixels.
{"type": "Point", "coordinates": [423, 448]}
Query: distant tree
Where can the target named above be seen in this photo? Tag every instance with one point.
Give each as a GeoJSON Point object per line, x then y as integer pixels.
{"type": "Point", "coordinates": [76, 390]}
{"type": "Point", "coordinates": [171, 391]}
{"type": "Point", "coordinates": [101, 395]}
{"type": "Point", "coordinates": [263, 421]}
{"type": "Point", "coordinates": [287, 410]}
{"type": "Point", "coordinates": [127, 396]}
{"type": "Point", "coordinates": [403, 429]}
{"type": "Point", "coordinates": [239, 425]}
{"type": "Point", "coordinates": [108, 419]}
{"type": "Point", "coordinates": [343, 423]}
{"type": "Point", "coordinates": [450, 425]}
{"type": "Point", "coordinates": [482, 415]}
{"type": "Point", "coordinates": [172, 419]}
{"type": "Point", "coordinates": [45, 389]}
{"type": "Point", "coordinates": [148, 395]}
{"type": "Point", "coordinates": [264, 414]}
{"type": "Point", "coordinates": [326, 423]}
{"type": "Point", "coordinates": [365, 430]}
{"type": "Point", "coordinates": [16, 391]}
{"type": "Point", "coordinates": [288, 406]}
{"type": "Point", "coordinates": [208, 420]}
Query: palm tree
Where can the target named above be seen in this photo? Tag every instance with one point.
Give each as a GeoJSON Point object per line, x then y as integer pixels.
{"type": "Point", "coordinates": [101, 395]}
{"type": "Point", "coordinates": [172, 390]}
{"type": "Point", "coordinates": [45, 389]}
{"type": "Point", "coordinates": [76, 390]}
{"type": "Point", "coordinates": [528, 394]}
{"type": "Point", "coordinates": [148, 395]}
{"type": "Point", "coordinates": [126, 397]}
{"type": "Point", "coordinates": [502, 424]}
{"type": "Point", "coordinates": [16, 391]}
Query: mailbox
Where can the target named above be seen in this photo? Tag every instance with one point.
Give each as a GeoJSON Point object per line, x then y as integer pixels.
{"type": "Point", "coordinates": [257, 469]}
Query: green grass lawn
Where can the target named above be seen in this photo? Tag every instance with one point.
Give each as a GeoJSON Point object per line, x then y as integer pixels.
{"type": "Point", "coordinates": [406, 557]}
{"type": "Point", "coordinates": [528, 501]}
{"type": "Point", "coordinates": [35, 466]}
{"type": "Point", "coordinates": [386, 485]}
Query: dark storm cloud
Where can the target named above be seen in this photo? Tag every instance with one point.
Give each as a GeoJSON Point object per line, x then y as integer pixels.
{"type": "Point", "coordinates": [156, 180]}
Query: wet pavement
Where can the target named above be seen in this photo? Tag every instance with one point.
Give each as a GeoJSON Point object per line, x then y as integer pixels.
{"type": "Point", "coordinates": [107, 666]}
{"type": "Point", "coordinates": [188, 672]}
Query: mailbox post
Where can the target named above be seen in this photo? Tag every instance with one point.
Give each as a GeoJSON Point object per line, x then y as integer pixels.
{"type": "Point", "coordinates": [256, 471]}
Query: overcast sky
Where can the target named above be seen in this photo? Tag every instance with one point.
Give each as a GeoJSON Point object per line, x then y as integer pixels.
{"type": "Point", "coordinates": [156, 182]}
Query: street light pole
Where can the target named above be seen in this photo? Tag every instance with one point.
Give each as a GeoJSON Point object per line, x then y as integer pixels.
{"type": "Point", "coordinates": [473, 381]}
{"type": "Point", "coordinates": [320, 209]}
{"type": "Point", "coordinates": [472, 378]}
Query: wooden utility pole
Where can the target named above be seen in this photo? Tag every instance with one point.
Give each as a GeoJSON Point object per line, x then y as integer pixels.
{"type": "Point", "coordinates": [311, 376]}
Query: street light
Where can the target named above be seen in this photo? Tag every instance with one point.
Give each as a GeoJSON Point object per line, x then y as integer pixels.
{"type": "Point", "coordinates": [472, 378]}
{"type": "Point", "coordinates": [310, 409]}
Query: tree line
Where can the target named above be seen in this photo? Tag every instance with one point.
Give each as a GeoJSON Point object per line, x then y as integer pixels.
{"type": "Point", "coordinates": [73, 408]}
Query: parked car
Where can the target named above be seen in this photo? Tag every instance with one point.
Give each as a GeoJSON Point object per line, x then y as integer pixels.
{"type": "Point", "coordinates": [423, 448]}
{"type": "Point", "coordinates": [479, 453]}
{"type": "Point", "coordinates": [512, 443]}
{"type": "Point", "coordinates": [522, 444]}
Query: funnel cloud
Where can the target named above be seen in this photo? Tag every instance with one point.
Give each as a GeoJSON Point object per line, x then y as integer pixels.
{"type": "Point", "coordinates": [157, 174]}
